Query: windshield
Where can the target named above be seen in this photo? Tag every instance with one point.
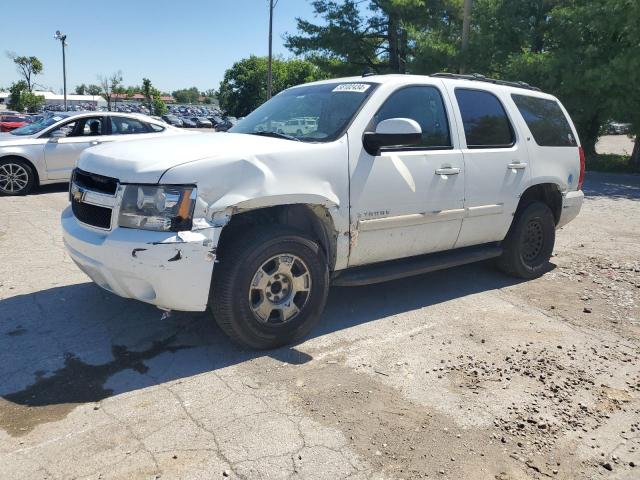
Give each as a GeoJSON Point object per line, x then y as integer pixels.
{"type": "Point", "coordinates": [314, 113]}
{"type": "Point", "coordinates": [33, 128]}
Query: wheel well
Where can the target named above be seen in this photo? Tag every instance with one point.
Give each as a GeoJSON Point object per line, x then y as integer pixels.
{"type": "Point", "coordinates": [548, 193]}
{"type": "Point", "coordinates": [313, 220]}
{"type": "Point", "coordinates": [28, 162]}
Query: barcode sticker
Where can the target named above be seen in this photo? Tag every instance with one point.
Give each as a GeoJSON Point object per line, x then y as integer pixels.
{"type": "Point", "coordinates": [352, 87]}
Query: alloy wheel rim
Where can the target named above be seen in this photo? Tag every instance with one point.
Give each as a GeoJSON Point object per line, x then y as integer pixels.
{"type": "Point", "coordinates": [280, 289]}
{"type": "Point", "coordinates": [533, 241]}
{"type": "Point", "coordinates": [13, 178]}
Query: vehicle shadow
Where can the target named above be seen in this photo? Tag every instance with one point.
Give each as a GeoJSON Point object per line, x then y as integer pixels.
{"type": "Point", "coordinates": [78, 343]}
{"type": "Point", "coordinates": [51, 188]}
{"type": "Point", "coordinates": [613, 186]}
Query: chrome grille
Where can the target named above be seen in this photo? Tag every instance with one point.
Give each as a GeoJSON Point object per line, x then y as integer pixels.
{"type": "Point", "coordinates": [93, 198]}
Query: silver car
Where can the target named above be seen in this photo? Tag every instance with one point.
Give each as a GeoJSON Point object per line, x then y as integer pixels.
{"type": "Point", "coordinates": [46, 152]}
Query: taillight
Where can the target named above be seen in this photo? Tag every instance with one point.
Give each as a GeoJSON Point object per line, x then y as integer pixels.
{"type": "Point", "coordinates": [582, 159]}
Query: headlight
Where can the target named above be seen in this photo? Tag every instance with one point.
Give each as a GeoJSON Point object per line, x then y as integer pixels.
{"type": "Point", "coordinates": [160, 208]}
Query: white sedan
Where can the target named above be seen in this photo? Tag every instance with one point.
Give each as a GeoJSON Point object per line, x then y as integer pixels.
{"type": "Point", "coordinates": [46, 152]}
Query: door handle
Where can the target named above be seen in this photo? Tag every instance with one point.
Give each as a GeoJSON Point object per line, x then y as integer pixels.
{"type": "Point", "coordinates": [96, 142]}
{"type": "Point", "coordinates": [517, 166]}
{"type": "Point", "coordinates": [447, 171]}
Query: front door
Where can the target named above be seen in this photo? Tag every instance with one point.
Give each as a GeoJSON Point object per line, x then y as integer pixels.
{"type": "Point", "coordinates": [67, 142]}
{"type": "Point", "coordinates": [408, 200]}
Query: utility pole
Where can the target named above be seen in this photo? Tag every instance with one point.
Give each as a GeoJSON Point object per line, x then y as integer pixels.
{"type": "Point", "coordinates": [63, 40]}
{"type": "Point", "coordinates": [269, 71]}
{"type": "Point", "coordinates": [466, 26]}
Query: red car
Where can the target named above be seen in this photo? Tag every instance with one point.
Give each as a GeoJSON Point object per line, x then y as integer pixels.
{"type": "Point", "coordinates": [11, 122]}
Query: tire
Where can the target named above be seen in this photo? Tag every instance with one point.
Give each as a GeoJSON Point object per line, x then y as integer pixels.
{"type": "Point", "coordinates": [529, 243]}
{"type": "Point", "coordinates": [16, 177]}
{"type": "Point", "coordinates": [272, 261]}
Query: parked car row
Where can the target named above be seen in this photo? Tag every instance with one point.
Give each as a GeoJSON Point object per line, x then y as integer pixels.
{"type": "Point", "coordinates": [217, 122]}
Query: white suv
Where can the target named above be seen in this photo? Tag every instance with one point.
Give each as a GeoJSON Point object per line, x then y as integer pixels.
{"type": "Point", "coordinates": [401, 175]}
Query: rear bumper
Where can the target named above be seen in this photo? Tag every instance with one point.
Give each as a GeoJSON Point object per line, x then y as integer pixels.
{"type": "Point", "coordinates": [171, 271]}
{"type": "Point", "coordinates": [571, 205]}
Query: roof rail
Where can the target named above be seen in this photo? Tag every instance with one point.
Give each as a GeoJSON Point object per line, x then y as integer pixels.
{"type": "Point", "coordinates": [481, 78]}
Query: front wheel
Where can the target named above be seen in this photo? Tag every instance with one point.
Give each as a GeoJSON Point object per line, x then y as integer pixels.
{"type": "Point", "coordinates": [270, 287]}
{"type": "Point", "coordinates": [16, 177]}
{"type": "Point", "coordinates": [529, 243]}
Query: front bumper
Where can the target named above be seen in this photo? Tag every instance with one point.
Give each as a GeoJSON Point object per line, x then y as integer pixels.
{"type": "Point", "coordinates": [571, 205]}
{"type": "Point", "coordinates": [169, 270]}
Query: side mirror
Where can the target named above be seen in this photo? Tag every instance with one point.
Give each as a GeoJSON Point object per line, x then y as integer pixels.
{"type": "Point", "coordinates": [56, 135]}
{"type": "Point", "coordinates": [394, 132]}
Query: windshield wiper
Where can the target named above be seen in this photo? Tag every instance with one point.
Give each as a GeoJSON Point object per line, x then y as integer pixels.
{"type": "Point", "coordinates": [276, 135]}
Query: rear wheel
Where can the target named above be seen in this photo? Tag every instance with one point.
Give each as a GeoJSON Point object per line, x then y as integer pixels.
{"type": "Point", "coordinates": [270, 287]}
{"type": "Point", "coordinates": [529, 243]}
{"type": "Point", "coordinates": [16, 177]}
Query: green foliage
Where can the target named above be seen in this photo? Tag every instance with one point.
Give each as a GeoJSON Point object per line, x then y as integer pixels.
{"type": "Point", "coordinates": [610, 163]}
{"type": "Point", "coordinates": [244, 87]}
{"type": "Point", "coordinates": [81, 89]}
{"type": "Point", "coordinates": [350, 40]}
{"type": "Point", "coordinates": [152, 95]}
{"type": "Point", "coordinates": [28, 68]}
{"type": "Point", "coordinates": [186, 95]}
{"type": "Point", "coordinates": [21, 99]}
{"type": "Point", "coordinates": [14, 102]}
{"type": "Point", "coordinates": [93, 89]}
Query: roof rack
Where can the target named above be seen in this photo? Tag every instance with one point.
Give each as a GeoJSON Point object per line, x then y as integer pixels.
{"type": "Point", "coordinates": [481, 78]}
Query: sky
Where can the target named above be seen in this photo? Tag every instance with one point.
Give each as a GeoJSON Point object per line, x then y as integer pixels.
{"type": "Point", "coordinates": [176, 44]}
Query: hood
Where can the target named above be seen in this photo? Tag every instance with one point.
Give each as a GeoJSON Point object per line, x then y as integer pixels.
{"type": "Point", "coordinates": [145, 161]}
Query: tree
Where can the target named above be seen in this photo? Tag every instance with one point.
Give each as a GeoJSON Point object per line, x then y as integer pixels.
{"type": "Point", "coordinates": [81, 89]}
{"type": "Point", "coordinates": [147, 91]}
{"type": "Point", "coordinates": [21, 99]}
{"type": "Point", "coordinates": [14, 102]}
{"type": "Point", "coordinates": [186, 95]}
{"type": "Point", "coordinates": [28, 68]}
{"type": "Point", "coordinates": [351, 41]}
{"type": "Point", "coordinates": [93, 90]}
{"type": "Point", "coordinates": [154, 98]}
{"type": "Point", "coordinates": [110, 86]}
{"type": "Point", "coordinates": [244, 87]}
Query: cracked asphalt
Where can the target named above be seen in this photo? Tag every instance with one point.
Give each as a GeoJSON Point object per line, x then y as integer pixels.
{"type": "Point", "coordinates": [461, 374]}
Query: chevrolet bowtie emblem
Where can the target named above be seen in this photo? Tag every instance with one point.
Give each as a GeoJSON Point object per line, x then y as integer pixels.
{"type": "Point", "coordinates": [78, 195]}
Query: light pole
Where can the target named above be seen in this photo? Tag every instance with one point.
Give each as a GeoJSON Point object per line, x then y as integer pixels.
{"type": "Point", "coordinates": [270, 67]}
{"type": "Point", "coordinates": [63, 40]}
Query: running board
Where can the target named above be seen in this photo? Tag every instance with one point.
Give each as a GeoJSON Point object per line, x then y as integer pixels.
{"type": "Point", "coordinates": [407, 267]}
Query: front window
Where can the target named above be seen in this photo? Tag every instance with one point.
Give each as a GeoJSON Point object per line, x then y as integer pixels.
{"type": "Point", "coordinates": [33, 128]}
{"type": "Point", "coordinates": [314, 113]}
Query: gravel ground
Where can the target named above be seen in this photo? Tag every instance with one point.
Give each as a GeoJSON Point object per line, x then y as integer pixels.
{"type": "Point", "coordinates": [461, 374]}
{"type": "Point", "coordinates": [616, 144]}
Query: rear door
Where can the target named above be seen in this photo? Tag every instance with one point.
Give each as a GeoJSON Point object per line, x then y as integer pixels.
{"type": "Point", "coordinates": [62, 152]}
{"type": "Point", "coordinates": [496, 162]}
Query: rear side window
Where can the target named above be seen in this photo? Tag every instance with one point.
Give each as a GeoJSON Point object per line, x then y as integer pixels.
{"type": "Point", "coordinates": [486, 124]}
{"type": "Point", "coordinates": [127, 126]}
{"type": "Point", "coordinates": [424, 105]}
{"type": "Point", "coordinates": [546, 120]}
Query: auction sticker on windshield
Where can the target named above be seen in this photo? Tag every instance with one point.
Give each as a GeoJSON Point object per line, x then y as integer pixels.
{"type": "Point", "coordinates": [352, 87]}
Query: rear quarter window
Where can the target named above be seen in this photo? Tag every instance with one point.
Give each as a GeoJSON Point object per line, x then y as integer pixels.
{"type": "Point", "coordinates": [546, 120]}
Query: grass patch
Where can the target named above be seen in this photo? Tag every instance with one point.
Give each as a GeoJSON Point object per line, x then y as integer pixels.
{"type": "Point", "coordinates": [610, 163]}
